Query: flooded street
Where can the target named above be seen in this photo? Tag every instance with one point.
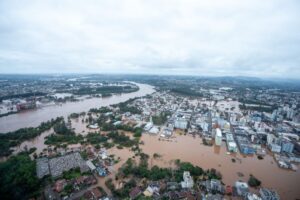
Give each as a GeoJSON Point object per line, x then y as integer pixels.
{"type": "Point", "coordinates": [190, 149]}
{"type": "Point", "coordinates": [32, 118]}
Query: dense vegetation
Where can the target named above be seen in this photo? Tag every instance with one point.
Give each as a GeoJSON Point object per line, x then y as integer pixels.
{"type": "Point", "coordinates": [105, 90]}
{"type": "Point", "coordinates": [96, 138]}
{"type": "Point", "coordinates": [63, 139]}
{"type": "Point", "coordinates": [160, 119]}
{"type": "Point", "coordinates": [186, 91]}
{"type": "Point", "coordinates": [253, 181]}
{"type": "Point", "coordinates": [74, 115]}
{"type": "Point", "coordinates": [18, 178]}
{"type": "Point", "coordinates": [63, 135]}
{"type": "Point", "coordinates": [62, 129]}
{"type": "Point", "coordinates": [24, 95]}
{"type": "Point", "coordinates": [259, 108]}
{"type": "Point", "coordinates": [100, 110]}
{"type": "Point", "coordinates": [124, 107]}
{"type": "Point", "coordinates": [12, 139]}
{"type": "Point", "coordinates": [121, 139]}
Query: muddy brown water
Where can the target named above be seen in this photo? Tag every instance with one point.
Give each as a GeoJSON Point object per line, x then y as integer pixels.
{"type": "Point", "coordinates": [190, 149]}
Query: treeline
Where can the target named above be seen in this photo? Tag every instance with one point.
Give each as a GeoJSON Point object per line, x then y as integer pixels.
{"type": "Point", "coordinates": [125, 107]}
{"type": "Point", "coordinates": [186, 91]}
{"type": "Point", "coordinates": [105, 90]}
{"type": "Point", "coordinates": [6, 114]}
{"type": "Point", "coordinates": [100, 110]}
{"type": "Point", "coordinates": [122, 139]}
{"type": "Point", "coordinates": [14, 138]}
{"type": "Point", "coordinates": [63, 135]}
{"type": "Point", "coordinates": [24, 95]}
{"type": "Point", "coordinates": [161, 118]}
{"type": "Point", "coordinates": [18, 178]}
{"type": "Point", "coordinates": [137, 131]}
{"type": "Point", "coordinates": [257, 108]}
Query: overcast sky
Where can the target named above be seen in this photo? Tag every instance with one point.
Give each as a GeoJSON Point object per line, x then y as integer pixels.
{"type": "Point", "coordinates": [212, 38]}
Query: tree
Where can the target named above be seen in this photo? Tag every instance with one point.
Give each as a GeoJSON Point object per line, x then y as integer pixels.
{"type": "Point", "coordinates": [18, 178]}
{"type": "Point", "coordinates": [253, 182]}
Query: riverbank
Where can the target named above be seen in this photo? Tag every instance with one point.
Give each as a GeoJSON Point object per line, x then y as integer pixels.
{"type": "Point", "coordinates": [32, 118]}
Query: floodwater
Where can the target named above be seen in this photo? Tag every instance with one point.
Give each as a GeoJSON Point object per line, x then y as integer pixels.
{"type": "Point", "coordinates": [190, 149]}
{"type": "Point", "coordinates": [37, 142]}
{"type": "Point", "coordinates": [183, 147]}
{"type": "Point", "coordinates": [35, 117]}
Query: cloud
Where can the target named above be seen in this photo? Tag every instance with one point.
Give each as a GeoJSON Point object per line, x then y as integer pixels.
{"type": "Point", "coordinates": [249, 38]}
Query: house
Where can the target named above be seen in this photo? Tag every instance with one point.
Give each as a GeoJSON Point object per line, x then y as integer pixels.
{"type": "Point", "coordinates": [101, 171]}
{"type": "Point", "coordinates": [148, 126]}
{"type": "Point", "coordinates": [241, 188]}
{"type": "Point", "coordinates": [135, 192]}
{"type": "Point", "coordinates": [153, 188]}
{"type": "Point", "coordinates": [228, 190]}
{"type": "Point", "coordinates": [154, 130]}
{"type": "Point", "coordinates": [187, 180]}
{"type": "Point", "coordinates": [59, 185]}
{"type": "Point", "coordinates": [93, 126]}
{"type": "Point", "coordinates": [172, 185]}
{"type": "Point", "coordinates": [88, 195]}
{"type": "Point", "coordinates": [252, 196]}
{"type": "Point", "coordinates": [267, 194]}
{"type": "Point", "coordinates": [213, 186]}
{"type": "Point", "coordinates": [213, 197]}
{"type": "Point", "coordinates": [91, 165]}
{"type": "Point", "coordinates": [96, 193]}
{"type": "Point", "coordinates": [103, 154]}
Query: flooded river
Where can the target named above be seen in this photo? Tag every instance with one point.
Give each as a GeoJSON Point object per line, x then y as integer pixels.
{"type": "Point", "coordinates": [35, 117]}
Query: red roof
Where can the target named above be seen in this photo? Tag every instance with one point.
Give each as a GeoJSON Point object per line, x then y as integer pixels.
{"type": "Point", "coordinates": [96, 193]}
{"type": "Point", "coordinates": [228, 189]}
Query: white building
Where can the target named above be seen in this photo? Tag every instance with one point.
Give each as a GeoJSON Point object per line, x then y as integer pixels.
{"type": "Point", "coordinates": [154, 130]}
{"type": "Point", "coordinates": [181, 123]}
{"type": "Point", "coordinates": [187, 180]}
{"type": "Point", "coordinates": [218, 137]}
{"type": "Point", "coordinates": [231, 145]}
{"type": "Point", "coordinates": [148, 126]}
{"type": "Point", "coordinates": [90, 165]}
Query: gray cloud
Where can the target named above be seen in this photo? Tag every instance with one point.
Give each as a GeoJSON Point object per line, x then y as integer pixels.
{"type": "Point", "coordinates": [230, 37]}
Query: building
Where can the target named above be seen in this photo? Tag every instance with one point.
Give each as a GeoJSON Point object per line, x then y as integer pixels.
{"type": "Point", "coordinates": [148, 126]}
{"type": "Point", "coordinates": [287, 146]}
{"type": "Point", "coordinates": [135, 192]}
{"type": "Point", "coordinates": [90, 165]}
{"type": "Point", "coordinates": [275, 148]}
{"type": "Point", "coordinates": [244, 145]}
{"type": "Point", "coordinates": [187, 180]}
{"type": "Point", "coordinates": [231, 145]}
{"type": "Point", "coordinates": [241, 188]}
{"type": "Point", "coordinates": [181, 123]}
{"type": "Point", "coordinates": [252, 196]}
{"type": "Point", "coordinates": [267, 194]}
{"type": "Point", "coordinates": [218, 137]}
{"type": "Point", "coordinates": [154, 130]}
